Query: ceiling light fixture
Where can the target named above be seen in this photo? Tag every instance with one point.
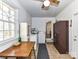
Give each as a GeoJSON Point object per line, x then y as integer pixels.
{"type": "Point", "coordinates": [46, 3]}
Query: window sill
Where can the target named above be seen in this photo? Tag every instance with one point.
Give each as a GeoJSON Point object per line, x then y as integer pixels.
{"type": "Point", "coordinates": [4, 42]}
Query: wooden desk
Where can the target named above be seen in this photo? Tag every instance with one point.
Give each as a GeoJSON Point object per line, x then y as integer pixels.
{"type": "Point", "coordinates": [23, 50]}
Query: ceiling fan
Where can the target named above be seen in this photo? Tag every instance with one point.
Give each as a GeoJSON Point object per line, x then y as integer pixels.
{"type": "Point", "coordinates": [46, 3]}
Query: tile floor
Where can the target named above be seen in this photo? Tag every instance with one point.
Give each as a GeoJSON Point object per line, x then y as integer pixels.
{"type": "Point", "coordinates": [54, 54]}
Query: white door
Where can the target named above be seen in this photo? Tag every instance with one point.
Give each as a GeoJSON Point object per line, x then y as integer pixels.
{"type": "Point", "coordinates": [23, 31]}
{"type": "Point", "coordinates": [75, 35]}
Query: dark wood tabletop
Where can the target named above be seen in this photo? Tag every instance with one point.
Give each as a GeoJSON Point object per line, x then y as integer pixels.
{"type": "Point", "coordinates": [23, 50]}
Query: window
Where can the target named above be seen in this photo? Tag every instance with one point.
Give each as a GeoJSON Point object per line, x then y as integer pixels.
{"type": "Point", "coordinates": [7, 21]}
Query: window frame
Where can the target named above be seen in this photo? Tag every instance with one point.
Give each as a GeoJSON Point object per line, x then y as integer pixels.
{"type": "Point", "coordinates": [8, 21]}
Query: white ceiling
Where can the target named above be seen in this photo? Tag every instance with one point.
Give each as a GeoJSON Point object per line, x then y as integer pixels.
{"type": "Point", "coordinates": [33, 7]}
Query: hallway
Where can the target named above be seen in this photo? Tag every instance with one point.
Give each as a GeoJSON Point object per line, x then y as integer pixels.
{"type": "Point", "coordinates": [40, 21]}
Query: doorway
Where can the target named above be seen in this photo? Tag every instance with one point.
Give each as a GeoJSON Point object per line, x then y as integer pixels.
{"type": "Point", "coordinates": [48, 29]}
{"type": "Point", "coordinates": [23, 31]}
{"type": "Point", "coordinates": [48, 35]}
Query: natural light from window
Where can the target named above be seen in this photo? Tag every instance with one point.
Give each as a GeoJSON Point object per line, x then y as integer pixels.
{"type": "Point", "coordinates": [7, 21]}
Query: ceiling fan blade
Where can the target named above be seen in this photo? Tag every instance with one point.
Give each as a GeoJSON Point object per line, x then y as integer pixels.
{"type": "Point", "coordinates": [54, 2]}
{"type": "Point", "coordinates": [44, 7]}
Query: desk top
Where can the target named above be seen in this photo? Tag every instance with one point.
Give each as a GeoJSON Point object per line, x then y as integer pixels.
{"type": "Point", "coordinates": [23, 50]}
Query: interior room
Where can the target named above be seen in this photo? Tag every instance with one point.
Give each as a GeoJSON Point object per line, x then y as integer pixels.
{"type": "Point", "coordinates": [38, 29]}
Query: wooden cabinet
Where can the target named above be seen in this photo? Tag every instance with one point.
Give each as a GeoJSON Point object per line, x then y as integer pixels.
{"type": "Point", "coordinates": [61, 36]}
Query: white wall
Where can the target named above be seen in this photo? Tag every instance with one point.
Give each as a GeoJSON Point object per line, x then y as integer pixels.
{"type": "Point", "coordinates": [40, 24]}
{"type": "Point", "coordinates": [22, 16]}
{"type": "Point", "coordinates": [68, 14]}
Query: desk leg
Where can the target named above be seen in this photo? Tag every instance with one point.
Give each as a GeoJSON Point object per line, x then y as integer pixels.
{"type": "Point", "coordinates": [34, 53]}
{"type": "Point", "coordinates": [17, 58]}
{"type": "Point", "coordinates": [6, 58]}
